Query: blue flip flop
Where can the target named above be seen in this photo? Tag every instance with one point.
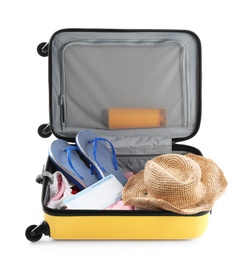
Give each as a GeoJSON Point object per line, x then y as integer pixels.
{"type": "Point", "coordinates": [101, 155]}
{"type": "Point", "coordinates": [67, 160]}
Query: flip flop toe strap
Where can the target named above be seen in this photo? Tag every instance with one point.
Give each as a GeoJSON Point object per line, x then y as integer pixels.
{"type": "Point", "coordinates": [69, 150]}
{"type": "Point", "coordinates": [95, 148]}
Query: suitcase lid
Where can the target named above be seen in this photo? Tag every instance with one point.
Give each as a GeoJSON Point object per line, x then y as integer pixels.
{"type": "Point", "coordinates": [139, 88]}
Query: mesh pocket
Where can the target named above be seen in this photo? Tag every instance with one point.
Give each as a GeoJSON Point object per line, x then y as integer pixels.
{"type": "Point", "coordinates": [99, 76]}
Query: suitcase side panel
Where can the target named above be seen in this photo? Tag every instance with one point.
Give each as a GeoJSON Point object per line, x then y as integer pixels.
{"type": "Point", "coordinates": [126, 227]}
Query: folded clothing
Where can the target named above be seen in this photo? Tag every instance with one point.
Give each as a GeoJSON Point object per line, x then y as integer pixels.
{"type": "Point", "coordinates": [59, 190]}
{"type": "Point", "coordinates": [62, 189]}
{"type": "Point", "coordinates": [119, 205]}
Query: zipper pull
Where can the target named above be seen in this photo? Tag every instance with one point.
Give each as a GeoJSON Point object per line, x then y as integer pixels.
{"type": "Point", "coordinates": [61, 103]}
{"type": "Point", "coordinates": [61, 100]}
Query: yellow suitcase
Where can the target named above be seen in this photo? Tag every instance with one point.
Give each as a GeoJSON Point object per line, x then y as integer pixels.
{"type": "Point", "coordinates": [141, 89]}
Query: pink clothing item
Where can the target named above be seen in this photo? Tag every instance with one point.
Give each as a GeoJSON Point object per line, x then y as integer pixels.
{"type": "Point", "coordinates": [119, 205]}
{"type": "Point", "coordinates": [59, 190]}
{"type": "Point", "coordinates": [128, 174]}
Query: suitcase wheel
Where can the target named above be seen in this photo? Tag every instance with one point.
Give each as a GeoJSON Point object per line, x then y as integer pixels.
{"type": "Point", "coordinates": [35, 232]}
{"type": "Point", "coordinates": [42, 49]}
{"type": "Point", "coordinates": [44, 130]}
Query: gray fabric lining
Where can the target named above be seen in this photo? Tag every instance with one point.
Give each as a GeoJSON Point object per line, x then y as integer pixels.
{"type": "Point", "coordinates": [139, 145]}
{"type": "Point", "coordinates": [136, 163]}
{"type": "Point", "coordinates": [95, 71]}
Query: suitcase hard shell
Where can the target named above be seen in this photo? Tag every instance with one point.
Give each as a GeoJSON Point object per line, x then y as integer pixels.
{"type": "Point", "coordinates": [92, 73]}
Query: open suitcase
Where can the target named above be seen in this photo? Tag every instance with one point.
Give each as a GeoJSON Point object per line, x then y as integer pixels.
{"type": "Point", "coordinates": [92, 71]}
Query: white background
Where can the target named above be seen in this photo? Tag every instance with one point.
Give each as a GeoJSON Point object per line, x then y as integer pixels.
{"type": "Point", "coordinates": [224, 136]}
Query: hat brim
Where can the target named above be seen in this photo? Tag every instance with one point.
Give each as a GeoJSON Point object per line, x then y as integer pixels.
{"type": "Point", "coordinates": [135, 191]}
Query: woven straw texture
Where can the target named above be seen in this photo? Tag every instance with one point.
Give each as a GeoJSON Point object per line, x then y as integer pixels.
{"type": "Point", "coordinates": [184, 184]}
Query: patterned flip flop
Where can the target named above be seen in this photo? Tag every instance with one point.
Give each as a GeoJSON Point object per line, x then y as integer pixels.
{"type": "Point", "coordinates": [101, 155]}
{"type": "Point", "coordinates": [67, 160]}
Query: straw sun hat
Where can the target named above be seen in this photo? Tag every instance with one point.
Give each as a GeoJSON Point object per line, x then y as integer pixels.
{"type": "Point", "coordinates": [184, 184]}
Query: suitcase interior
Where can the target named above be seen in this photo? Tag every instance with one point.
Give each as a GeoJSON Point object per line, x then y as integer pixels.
{"type": "Point", "coordinates": [94, 70]}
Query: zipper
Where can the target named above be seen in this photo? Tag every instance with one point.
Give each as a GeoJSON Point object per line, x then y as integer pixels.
{"type": "Point", "coordinates": [62, 117]}
{"type": "Point", "coordinates": [139, 213]}
{"type": "Point", "coordinates": [119, 42]}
